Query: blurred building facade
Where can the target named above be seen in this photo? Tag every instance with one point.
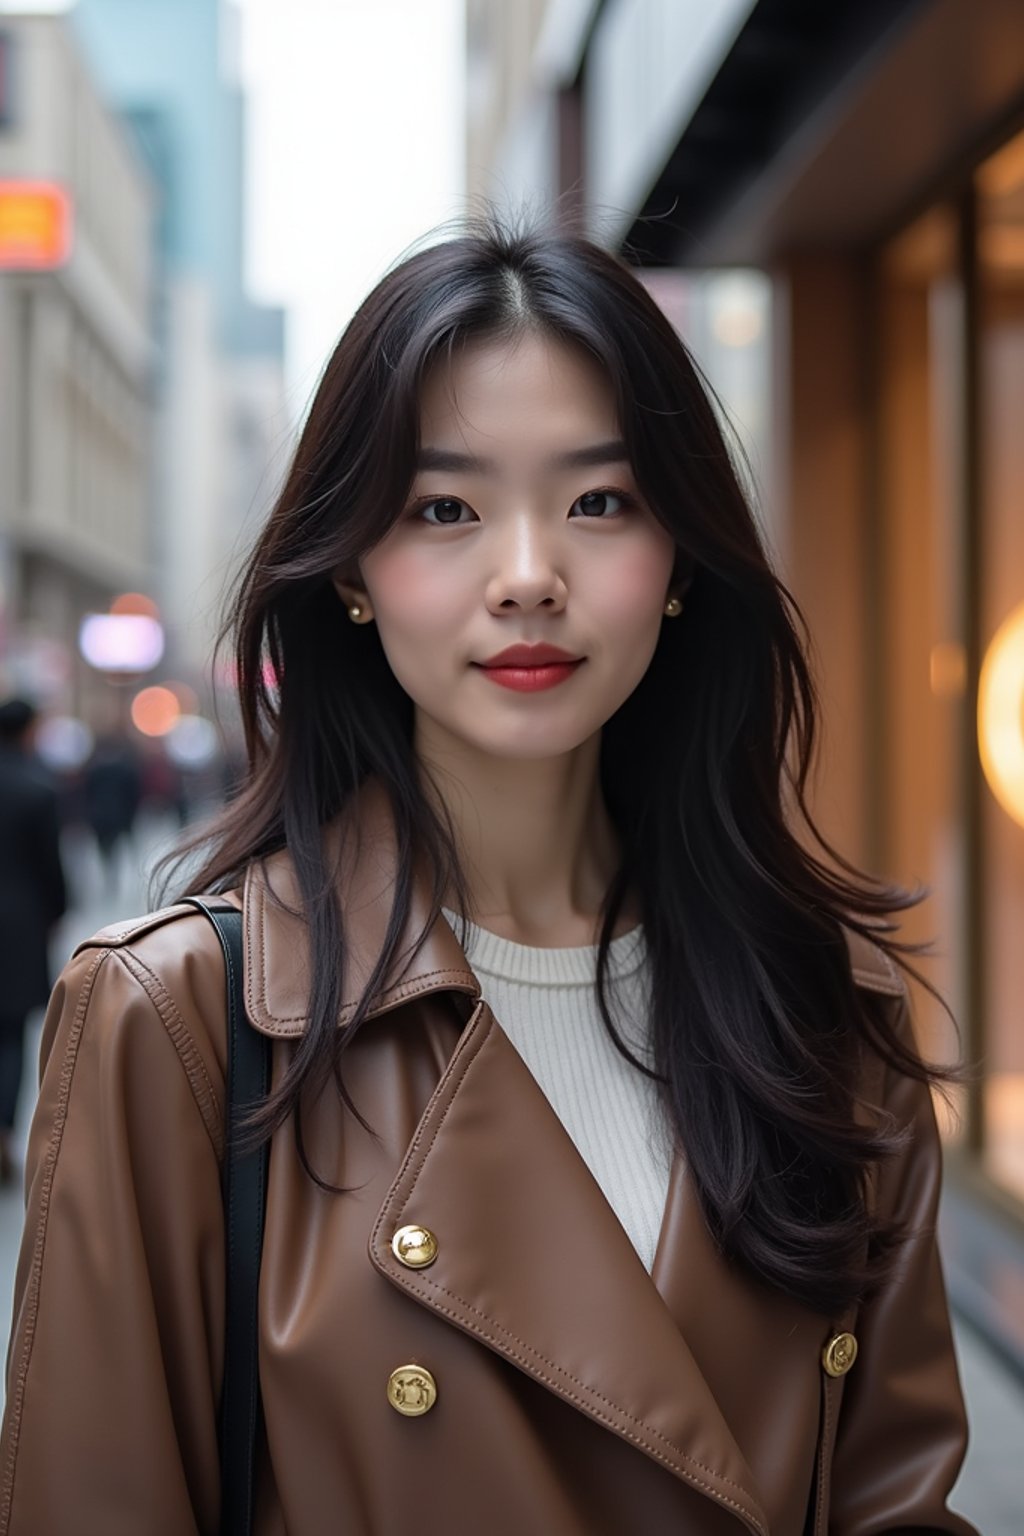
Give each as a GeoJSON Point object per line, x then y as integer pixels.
{"type": "Point", "coordinates": [77, 359]}
{"type": "Point", "coordinates": [510, 133]}
{"type": "Point", "coordinates": [867, 160]}
{"type": "Point", "coordinates": [172, 69]}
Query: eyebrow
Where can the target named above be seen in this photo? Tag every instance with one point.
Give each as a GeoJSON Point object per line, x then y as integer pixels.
{"type": "Point", "coordinates": [576, 458]}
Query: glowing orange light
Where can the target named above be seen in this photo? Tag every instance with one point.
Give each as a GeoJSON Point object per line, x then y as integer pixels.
{"type": "Point", "coordinates": [135, 602]}
{"type": "Point", "coordinates": [1001, 714]}
{"type": "Point", "coordinates": [35, 226]}
{"type": "Point", "coordinates": [155, 711]}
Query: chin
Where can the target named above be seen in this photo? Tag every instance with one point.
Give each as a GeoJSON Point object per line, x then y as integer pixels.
{"type": "Point", "coordinates": [522, 745]}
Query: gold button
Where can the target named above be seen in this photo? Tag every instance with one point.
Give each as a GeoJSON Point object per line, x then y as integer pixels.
{"type": "Point", "coordinates": [412, 1390]}
{"type": "Point", "coordinates": [414, 1247]}
{"type": "Point", "coordinates": [839, 1354]}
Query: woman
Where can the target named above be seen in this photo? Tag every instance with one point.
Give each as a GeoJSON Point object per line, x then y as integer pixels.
{"type": "Point", "coordinates": [526, 710]}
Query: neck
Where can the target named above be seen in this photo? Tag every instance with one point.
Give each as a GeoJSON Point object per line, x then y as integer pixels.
{"type": "Point", "coordinates": [536, 842]}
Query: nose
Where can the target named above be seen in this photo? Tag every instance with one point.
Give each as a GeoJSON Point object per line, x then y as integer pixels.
{"type": "Point", "coordinates": [526, 573]}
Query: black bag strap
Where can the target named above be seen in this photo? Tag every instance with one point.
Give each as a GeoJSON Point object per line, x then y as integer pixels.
{"type": "Point", "coordinates": [244, 1183]}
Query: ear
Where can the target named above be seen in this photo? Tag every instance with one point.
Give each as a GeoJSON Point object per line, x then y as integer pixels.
{"type": "Point", "coordinates": [682, 575]}
{"type": "Point", "coordinates": [348, 588]}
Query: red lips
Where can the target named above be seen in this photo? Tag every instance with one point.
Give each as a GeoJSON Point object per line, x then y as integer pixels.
{"type": "Point", "coordinates": [528, 656]}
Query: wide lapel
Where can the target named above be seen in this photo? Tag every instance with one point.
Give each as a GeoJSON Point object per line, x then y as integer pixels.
{"type": "Point", "coordinates": [533, 1262]}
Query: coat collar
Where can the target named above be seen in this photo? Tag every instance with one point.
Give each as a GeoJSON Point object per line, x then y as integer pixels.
{"type": "Point", "coordinates": [363, 855]}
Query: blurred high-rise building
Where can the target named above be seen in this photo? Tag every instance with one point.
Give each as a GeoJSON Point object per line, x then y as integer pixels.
{"type": "Point", "coordinates": [857, 168]}
{"type": "Point", "coordinates": [172, 69]}
{"type": "Point", "coordinates": [510, 140]}
{"type": "Point", "coordinates": [77, 360]}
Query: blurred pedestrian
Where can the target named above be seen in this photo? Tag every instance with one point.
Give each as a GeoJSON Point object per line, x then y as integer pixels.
{"type": "Point", "coordinates": [33, 895]}
{"type": "Point", "coordinates": [163, 784]}
{"type": "Point", "coordinates": [113, 792]}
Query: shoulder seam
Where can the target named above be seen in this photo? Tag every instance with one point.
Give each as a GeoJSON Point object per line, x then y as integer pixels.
{"type": "Point", "coordinates": [188, 1053]}
{"type": "Point", "coordinates": [114, 935]}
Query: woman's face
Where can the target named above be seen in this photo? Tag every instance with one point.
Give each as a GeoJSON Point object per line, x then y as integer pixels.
{"type": "Point", "coordinates": [506, 539]}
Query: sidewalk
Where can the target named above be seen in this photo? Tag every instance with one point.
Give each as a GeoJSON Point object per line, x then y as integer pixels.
{"type": "Point", "coordinates": [990, 1491]}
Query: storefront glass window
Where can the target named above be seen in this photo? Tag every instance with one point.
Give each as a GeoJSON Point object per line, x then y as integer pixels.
{"type": "Point", "coordinates": [920, 710]}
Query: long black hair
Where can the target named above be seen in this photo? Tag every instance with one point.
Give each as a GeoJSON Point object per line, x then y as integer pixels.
{"type": "Point", "coordinates": [757, 1025]}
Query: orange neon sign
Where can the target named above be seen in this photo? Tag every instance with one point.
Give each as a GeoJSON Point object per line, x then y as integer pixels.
{"type": "Point", "coordinates": [35, 226]}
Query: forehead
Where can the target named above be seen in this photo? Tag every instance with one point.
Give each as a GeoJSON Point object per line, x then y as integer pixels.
{"type": "Point", "coordinates": [502, 389]}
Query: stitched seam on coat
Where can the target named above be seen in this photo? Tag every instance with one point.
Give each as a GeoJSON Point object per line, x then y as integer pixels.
{"type": "Point", "coordinates": [188, 1052]}
{"type": "Point", "coordinates": [394, 994]}
{"type": "Point", "coordinates": [891, 982]}
{"type": "Point", "coordinates": [825, 1465]}
{"type": "Point", "coordinates": [874, 983]}
{"type": "Point", "coordinates": [275, 1024]}
{"type": "Point", "coordinates": [613, 1419]}
{"type": "Point", "coordinates": [52, 1155]}
{"type": "Point", "coordinates": [67, 1072]}
{"type": "Point", "coordinates": [122, 935]}
{"type": "Point", "coordinates": [415, 1288]}
{"type": "Point", "coordinates": [248, 930]}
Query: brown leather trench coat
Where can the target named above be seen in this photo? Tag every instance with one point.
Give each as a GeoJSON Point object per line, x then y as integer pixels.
{"type": "Point", "coordinates": [576, 1394]}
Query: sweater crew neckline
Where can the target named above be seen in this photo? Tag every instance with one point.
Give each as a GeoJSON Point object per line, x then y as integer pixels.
{"type": "Point", "coordinates": [534, 965]}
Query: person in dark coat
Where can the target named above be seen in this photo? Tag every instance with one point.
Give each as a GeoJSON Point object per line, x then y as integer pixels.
{"type": "Point", "coordinates": [113, 793]}
{"type": "Point", "coordinates": [33, 895]}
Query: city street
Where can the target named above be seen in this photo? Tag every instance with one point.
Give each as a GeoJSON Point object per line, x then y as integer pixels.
{"type": "Point", "coordinates": [710, 319]}
{"type": "Point", "coordinates": [991, 1488]}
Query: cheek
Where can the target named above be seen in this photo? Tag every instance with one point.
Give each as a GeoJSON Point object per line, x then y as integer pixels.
{"type": "Point", "coordinates": [630, 590]}
{"type": "Point", "coordinates": [389, 574]}
{"type": "Point", "coordinates": [415, 600]}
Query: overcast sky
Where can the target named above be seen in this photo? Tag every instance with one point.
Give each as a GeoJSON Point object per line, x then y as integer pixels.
{"type": "Point", "coordinates": [356, 151]}
{"type": "Point", "coordinates": [355, 137]}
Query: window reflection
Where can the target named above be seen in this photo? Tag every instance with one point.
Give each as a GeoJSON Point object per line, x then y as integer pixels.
{"type": "Point", "coordinates": [923, 668]}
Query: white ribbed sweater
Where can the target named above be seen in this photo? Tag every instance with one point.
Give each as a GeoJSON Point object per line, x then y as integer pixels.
{"type": "Point", "coordinates": [546, 1002]}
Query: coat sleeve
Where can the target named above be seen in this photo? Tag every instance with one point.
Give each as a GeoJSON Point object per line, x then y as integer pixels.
{"type": "Point", "coordinates": [902, 1431]}
{"type": "Point", "coordinates": [113, 1362]}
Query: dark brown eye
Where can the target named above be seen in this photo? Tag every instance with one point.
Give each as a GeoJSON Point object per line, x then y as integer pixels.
{"type": "Point", "coordinates": [595, 503]}
{"type": "Point", "coordinates": [447, 510]}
